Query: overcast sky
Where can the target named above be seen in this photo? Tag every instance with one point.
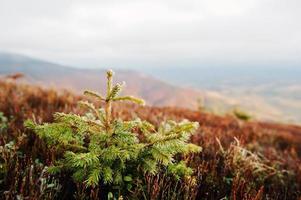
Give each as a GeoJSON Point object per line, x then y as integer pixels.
{"type": "Point", "coordinates": [141, 33]}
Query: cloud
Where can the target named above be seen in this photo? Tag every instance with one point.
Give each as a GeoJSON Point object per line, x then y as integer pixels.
{"type": "Point", "coordinates": [153, 33]}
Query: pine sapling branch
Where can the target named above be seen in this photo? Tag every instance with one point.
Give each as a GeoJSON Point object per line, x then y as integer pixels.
{"type": "Point", "coordinates": [108, 106]}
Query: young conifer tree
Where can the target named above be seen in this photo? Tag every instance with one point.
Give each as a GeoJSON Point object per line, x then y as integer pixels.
{"type": "Point", "coordinates": [103, 151]}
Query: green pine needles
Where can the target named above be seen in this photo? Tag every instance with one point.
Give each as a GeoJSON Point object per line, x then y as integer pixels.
{"type": "Point", "coordinates": [100, 150]}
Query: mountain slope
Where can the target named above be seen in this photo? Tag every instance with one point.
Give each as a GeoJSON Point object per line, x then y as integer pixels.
{"type": "Point", "coordinates": [154, 91]}
{"type": "Point", "coordinates": [273, 90]}
{"type": "Point", "coordinates": [159, 93]}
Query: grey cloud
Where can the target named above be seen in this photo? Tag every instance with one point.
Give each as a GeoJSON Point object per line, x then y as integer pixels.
{"type": "Point", "coordinates": [147, 33]}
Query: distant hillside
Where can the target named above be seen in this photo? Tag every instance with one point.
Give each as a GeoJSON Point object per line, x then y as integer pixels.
{"type": "Point", "coordinates": [273, 91]}
{"type": "Point", "coordinates": [263, 101]}
{"type": "Point", "coordinates": [154, 91]}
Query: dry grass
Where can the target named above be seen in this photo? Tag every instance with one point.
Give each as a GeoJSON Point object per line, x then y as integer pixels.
{"type": "Point", "coordinates": [240, 160]}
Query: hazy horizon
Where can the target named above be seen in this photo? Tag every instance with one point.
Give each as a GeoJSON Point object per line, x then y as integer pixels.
{"type": "Point", "coordinates": [271, 93]}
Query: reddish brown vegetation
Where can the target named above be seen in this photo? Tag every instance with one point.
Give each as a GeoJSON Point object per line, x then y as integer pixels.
{"type": "Point", "coordinates": [219, 172]}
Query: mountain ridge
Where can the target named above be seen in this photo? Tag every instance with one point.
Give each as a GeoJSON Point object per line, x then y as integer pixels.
{"type": "Point", "coordinates": [155, 91]}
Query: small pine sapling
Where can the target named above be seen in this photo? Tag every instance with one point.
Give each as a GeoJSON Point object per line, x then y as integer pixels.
{"type": "Point", "coordinates": [101, 150]}
{"type": "Point", "coordinates": [241, 115]}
